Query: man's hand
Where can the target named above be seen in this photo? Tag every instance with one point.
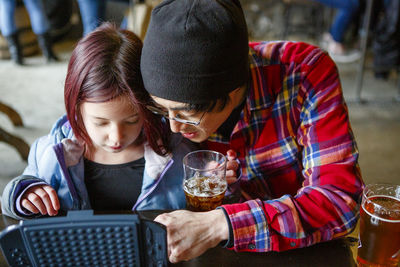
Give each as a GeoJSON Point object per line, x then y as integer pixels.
{"type": "Point", "coordinates": [190, 234]}
{"type": "Point", "coordinates": [231, 166]}
{"type": "Point", "coordinates": [41, 198]}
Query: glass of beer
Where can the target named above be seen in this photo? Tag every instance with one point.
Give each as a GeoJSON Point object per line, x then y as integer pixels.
{"type": "Point", "coordinates": [204, 180]}
{"type": "Point", "coordinates": [379, 240]}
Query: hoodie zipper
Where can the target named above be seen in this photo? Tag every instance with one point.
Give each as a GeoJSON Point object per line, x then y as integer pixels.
{"type": "Point", "coordinates": [58, 148]}
{"type": "Point", "coordinates": [170, 162]}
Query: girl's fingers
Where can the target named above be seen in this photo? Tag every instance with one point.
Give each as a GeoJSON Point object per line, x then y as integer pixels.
{"type": "Point", "coordinates": [29, 206]}
{"type": "Point", "coordinates": [37, 202]}
{"type": "Point", "coordinates": [41, 198]}
{"type": "Point", "coordinates": [46, 200]}
{"type": "Point", "coordinates": [53, 197]}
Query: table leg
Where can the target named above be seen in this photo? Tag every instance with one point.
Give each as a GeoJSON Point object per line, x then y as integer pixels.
{"type": "Point", "coordinates": [364, 42]}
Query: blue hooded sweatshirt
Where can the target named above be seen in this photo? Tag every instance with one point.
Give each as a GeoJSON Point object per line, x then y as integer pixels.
{"type": "Point", "coordinates": [57, 160]}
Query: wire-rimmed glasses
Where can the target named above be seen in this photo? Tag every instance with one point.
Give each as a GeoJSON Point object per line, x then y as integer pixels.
{"type": "Point", "coordinates": [165, 114]}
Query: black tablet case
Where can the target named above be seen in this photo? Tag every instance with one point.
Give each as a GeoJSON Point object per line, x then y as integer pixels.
{"type": "Point", "coordinates": [84, 239]}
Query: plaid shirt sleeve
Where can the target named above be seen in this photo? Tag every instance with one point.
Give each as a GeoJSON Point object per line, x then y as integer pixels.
{"type": "Point", "coordinates": [326, 205]}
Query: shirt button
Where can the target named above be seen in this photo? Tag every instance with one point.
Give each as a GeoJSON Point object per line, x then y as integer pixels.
{"type": "Point", "coordinates": [252, 246]}
{"type": "Point", "coordinates": [293, 244]}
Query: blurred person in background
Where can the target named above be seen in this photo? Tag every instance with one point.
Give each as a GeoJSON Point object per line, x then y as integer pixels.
{"type": "Point", "coordinates": [93, 13]}
{"type": "Point", "coordinates": [333, 41]}
{"type": "Point", "coordinates": [386, 37]}
{"type": "Point", "coordinates": [40, 26]}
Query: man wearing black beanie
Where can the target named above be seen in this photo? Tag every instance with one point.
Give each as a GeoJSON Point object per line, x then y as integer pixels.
{"type": "Point", "coordinates": [276, 106]}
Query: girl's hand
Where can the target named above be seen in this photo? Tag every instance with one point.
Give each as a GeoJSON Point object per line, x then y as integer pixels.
{"type": "Point", "coordinates": [41, 198]}
{"type": "Point", "coordinates": [231, 166]}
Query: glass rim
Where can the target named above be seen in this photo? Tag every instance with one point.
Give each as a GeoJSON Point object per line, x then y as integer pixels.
{"type": "Point", "coordinates": [371, 187]}
{"type": "Point", "coordinates": [205, 151]}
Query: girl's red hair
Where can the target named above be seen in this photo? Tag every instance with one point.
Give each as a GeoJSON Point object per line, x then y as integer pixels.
{"type": "Point", "coordinates": [106, 64]}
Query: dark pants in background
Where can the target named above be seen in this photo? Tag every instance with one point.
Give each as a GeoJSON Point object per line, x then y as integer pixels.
{"type": "Point", "coordinates": [386, 37]}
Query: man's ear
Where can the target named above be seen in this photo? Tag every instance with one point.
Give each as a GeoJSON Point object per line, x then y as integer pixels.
{"type": "Point", "coordinates": [238, 95]}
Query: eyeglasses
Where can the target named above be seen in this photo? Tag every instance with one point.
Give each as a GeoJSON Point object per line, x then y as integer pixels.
{"type": "Point", "coordinates": [165, 114]}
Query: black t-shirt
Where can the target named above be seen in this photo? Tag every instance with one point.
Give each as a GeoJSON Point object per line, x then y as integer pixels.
{"type": "Point", "coordinates": [114, 187]}
{"type": "Point", "coordinates": [227, 127]}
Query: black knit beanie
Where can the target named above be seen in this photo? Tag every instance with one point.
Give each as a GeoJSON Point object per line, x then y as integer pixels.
{"type": "Point", "coordinates": [195, 50]}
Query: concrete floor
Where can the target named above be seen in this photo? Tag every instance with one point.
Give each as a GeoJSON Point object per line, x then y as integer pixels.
{"type": "Point", "coordinates": [36, 92]}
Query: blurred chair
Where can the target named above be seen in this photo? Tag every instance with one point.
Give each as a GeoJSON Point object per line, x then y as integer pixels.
{"type": "Point", "coordinates": [18, 143]}
{"type": "Point", "coordinates": [303, 17]}
{"type": "Point", "coordinates": [139, 16]}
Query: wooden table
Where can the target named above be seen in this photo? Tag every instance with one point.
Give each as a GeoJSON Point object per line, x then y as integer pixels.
{"type": "Point", "coordinates": [334, 253]}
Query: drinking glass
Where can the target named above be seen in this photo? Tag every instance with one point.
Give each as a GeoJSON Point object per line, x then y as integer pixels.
{"type": "Point", "coordinates": [379, 240]}
{"type": "Point", "coordinates": [204, 179]}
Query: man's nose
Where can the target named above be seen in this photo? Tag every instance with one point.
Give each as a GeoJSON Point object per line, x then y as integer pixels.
{"type": "Point", "coordinates": [175, 126]}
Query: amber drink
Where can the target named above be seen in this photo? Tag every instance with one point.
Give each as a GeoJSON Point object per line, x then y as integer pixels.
{"type": "Point", "coordinates": [379, 243]}
{"type": "Point", "coordinates": [204, 182]}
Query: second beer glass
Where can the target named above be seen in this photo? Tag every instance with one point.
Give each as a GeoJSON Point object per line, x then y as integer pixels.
{"type": "Point", "coordinates": [379, 226]}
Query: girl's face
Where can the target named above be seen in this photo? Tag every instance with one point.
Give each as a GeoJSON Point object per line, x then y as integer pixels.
{"type": "Point", "coordinates": [112, 126]}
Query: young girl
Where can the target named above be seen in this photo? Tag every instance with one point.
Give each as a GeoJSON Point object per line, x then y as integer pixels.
{"type": "Point", "coordinates": [109, 152]}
